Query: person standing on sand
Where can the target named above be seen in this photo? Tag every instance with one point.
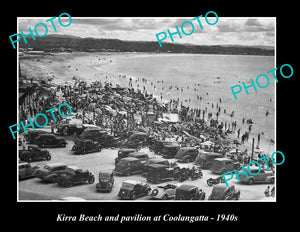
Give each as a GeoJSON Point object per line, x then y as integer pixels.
{"type": "Point", "coordinates": [238, 132]}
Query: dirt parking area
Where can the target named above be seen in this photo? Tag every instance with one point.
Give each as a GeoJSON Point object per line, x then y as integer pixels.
{"type": "Point", "coordinates": [35, 189]}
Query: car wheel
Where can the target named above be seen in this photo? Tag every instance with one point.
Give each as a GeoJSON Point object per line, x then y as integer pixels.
{"type": "Point", "coordinates": [133, 196]}
{"type": "Point", "coordinates": [53, 179]}
{"type": "Point", "coordinates": [209, 182]}
{"type": "Point", "coordinates": [83, 151]}
{"type": "Point", "coordinates": [181, 198]}
{"type": "Point", "coordinates": [165, 197]}
{"type": "Point", "coordinates": [48, 157]}
{"type": "Point", "coordinates": [29, 159]}
{"type": "Point", "coordinates": [187, 160]}
{"type": "Point", "coordinates": [128, 173]}
{"type": "Point", "coordinates": [64, 145]}
{"type": "Point", "coordinates": [91, 180]}
{"type": "Point", "coordinates": [68, 184]}
{"type": "Point", "coordinates": [251, 181]}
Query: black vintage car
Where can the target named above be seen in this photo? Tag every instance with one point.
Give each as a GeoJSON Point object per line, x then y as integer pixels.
{"type": "Point", "coordinates": [187, 154]}
{"type": "Point", "coordinates": [169, 150]}
{"type": "Point", "coordinates": [222, 192]}
{"type": "Point", "coordinates": [189, 192]}
{"type": "Point", "coordinates": [205, 159]}
{"type": "Point", "coordinates": [158, 145]}
{"type": "Point", "coordinates": [157, 173]}
{"type": "Point", "coordinates": [106, 181]}
{"type": "Point", "coordinates": [123, 153]}
{"type": "Point", "coordinates": [31, 135]}
{"type": "Point", "coordinates": [74, 175]}
{"type": "Point", "coordinates": [86, 146]}
{"type": "Point", "coordinates": [100, 136]}
{"type": "Point", "coordinates": [69, 129]}
{"type": "Point", "coordinates": [137, 140]}
{"type": "Point", "coordinates": [34, 153]}
{"type": "Point", "coordinates": [129, 166]}
{"type": "Point", "coordinates": [49, 140]}
{"type": "Point", "coordinates": [132, 189]}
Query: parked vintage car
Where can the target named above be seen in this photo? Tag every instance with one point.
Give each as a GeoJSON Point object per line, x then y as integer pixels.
{"type": "Point", "coordinates": [69, 129]}
{"type": "Point", "coordinates": [74, 175]}
{"type": "Point", "coordinates": [49, 172]}
{"type": "Point", "coordinates": [34, 153]}
{"type": "Point", "coordinates": [100, 136]}
{"type": "Point", "coordinates": [123, 153]}
{"type": "Point", "coordinates": [157, 173]}
{"type": "Point", "coordinates": [205, 159]}
{"type": "Point", "coordinates": [265, 176]}
{"type": "Point", "coordinates": [132, 189]}
{"type": "Point", "coordinates": [159, 160]}
{"type": "Point", "coordinates": [170, 150]}
{"type": "Point", "coordinates": [222, 192]}
{"type": "Point", "coordinates": [84, 146]}
{"type": "Point", "coordinates": [187, 154]}
{"type": "Point", "coordinates": [31, 135]}
{"type": "Point", "coordinates": [128, 166]}
{"type": "Point", "coordinates": [158, 145]}
{"type": "Point", "coordinates": [25, 170]}
{"type": "Point", "coordinates": [223, 165]}
{"type": "Point", "coordinates": [106, 181]}
{"type": "Point", "coordinates": [164, 192]}
{"type": "Point", "coordinates": [50, 140]}
{"type": "Point", "coordinates": [189, 192]}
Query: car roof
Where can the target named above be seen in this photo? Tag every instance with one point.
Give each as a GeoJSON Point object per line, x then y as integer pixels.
{"type": "Point", "coordinates": [186, 187]}
{"type": "Point", "coordinates": [223, 159]}
{"type": "Point", "coordinates": [188, 148]}
{"type": "Point", "coordinates": [157, 159]}
{"type": "Point", "coordinates": [172, 145]}
{"type": "Point", "coordinates": [129, 158]}
{"type": "Point", "coordinates": [74, 167]}
{"type": "Point", "coordinates": [138, 153]}
{"type": "Point", "coordinates": [132, 182]}
{"type": "Point", "coordinates": [157, 165]}
{"type": "Point", "coordinates": [52, 165]}
{"type": "Point", "coordinates": [222, 186]}
{"type": "Point", "coordinates": [211, 153]}
{"type": "Point", "coordinates": [22, 163]}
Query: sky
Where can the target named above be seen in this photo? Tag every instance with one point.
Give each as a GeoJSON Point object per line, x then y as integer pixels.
{"type": "Point", "coordinates": [248, 31]}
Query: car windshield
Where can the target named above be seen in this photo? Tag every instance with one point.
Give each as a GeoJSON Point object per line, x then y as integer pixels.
{"type": "Point", "coordinates": [104, 176]}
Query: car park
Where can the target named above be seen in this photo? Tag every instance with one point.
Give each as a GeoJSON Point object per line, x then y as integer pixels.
{"type": "Point", "coordinates": [170, 150]}
{"type": "Point", "coordinates": [106, 181]}
{"type": "Point", "coordinates": [84, 146]}
{"type": "Point", "coordinates": [264, 176]}
{"type": "Point", "coordinates": [205, 159]}
{"type": "Point", "coordinates": [25, 170]}
{"type": "Point", "coordinates": [164, 192]}
{"type": "Point", "coordinates": [74, 175]}
{"type": "Point", "coordinates": [189, 192]}
{"type": "Point", "coordinates": [223, 165]}
{"type": "Point", "coordinates": [187, 154]}
{"type": "Point", "coordinates": [222, 192]}
{"type": "Point", "coordinates": [49, 172]}
{"type": "Point", "coordinates": [34, 153]}
{"type": "Point", "coordinates": [49, 140]}
{"type": "Point", "coordinates": [132, 189]}
{"type": "Point", "coordinates": [129, 166]}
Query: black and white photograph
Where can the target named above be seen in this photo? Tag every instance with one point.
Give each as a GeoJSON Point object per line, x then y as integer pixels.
{"type": "Point", "coordinates": [150, 109]}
